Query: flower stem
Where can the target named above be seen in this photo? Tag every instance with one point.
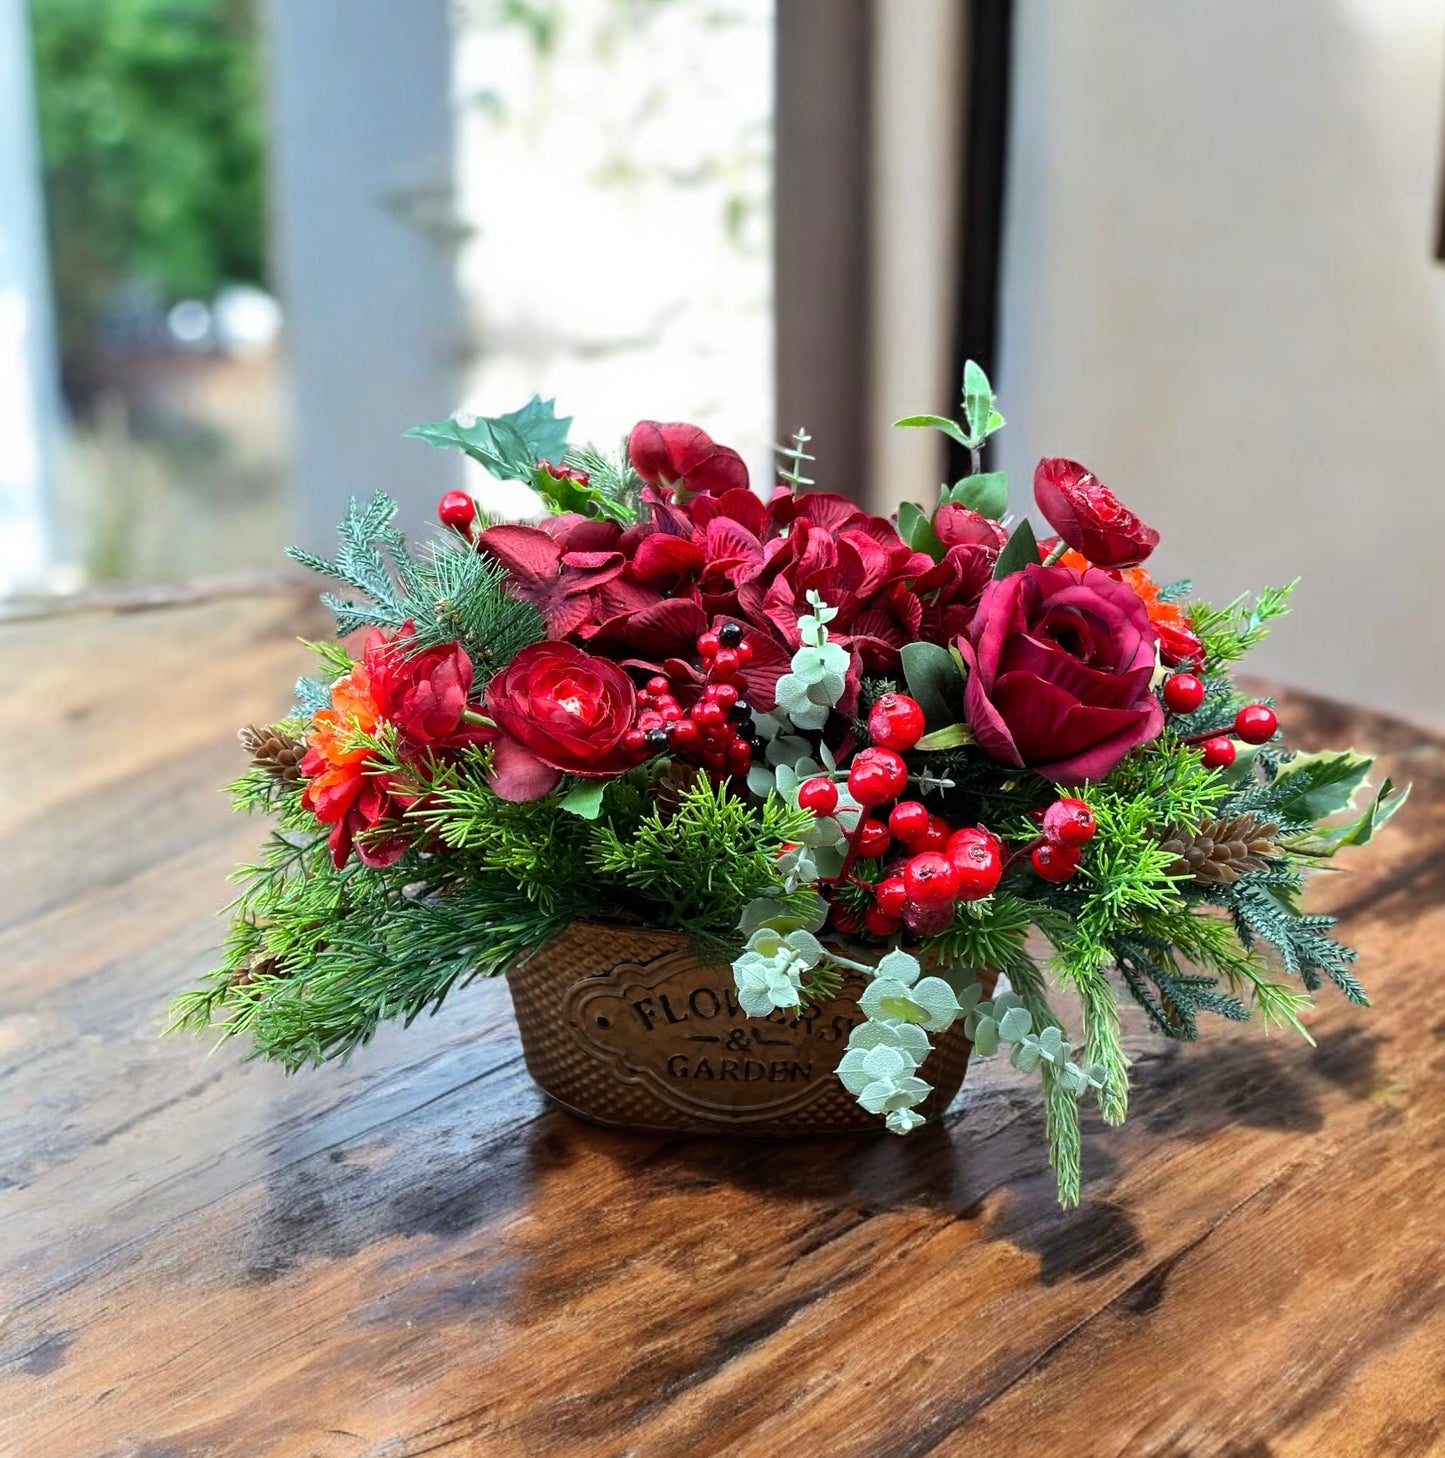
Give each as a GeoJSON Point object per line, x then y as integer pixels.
{"type": "Point", "coordinates": [1055, 552]}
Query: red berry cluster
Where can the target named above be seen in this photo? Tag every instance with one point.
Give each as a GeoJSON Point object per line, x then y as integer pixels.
{"type": "Point", "coordinates": [1183, 693]}
{"type": "Point", "coordinates": [1068, 826]}
{"type": "Point", "coordinates": [940, 865]}
{"type": "Point", "coordinates": [717, 732]}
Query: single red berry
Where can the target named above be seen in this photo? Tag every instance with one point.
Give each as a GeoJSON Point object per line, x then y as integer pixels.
{"type": "Point", "coordinates": [874, 839]}
{"type": "Point", "coordinates": [1183, 693]}
{"type": "Point", "coordinates": [650, 719]}
{"type": "Point", "coordinates": [1069, 822]}
{"type": "Point", "coordinates": [818, 795]}
{"type": "Point", "coordinates": [686, 734]}
{"type": "Point", "coordinates": [709, 714]}
{"type": "Point", "coordinates": [1256, 723]}
{"type": "Point", "coordinates": [890, 894]}
{"type": "Point", "coordinates": [977, 856]}
{"type": "Point", "coordinates": [740, 756]}
{"type": "Point", "coordinates": [744, 650]}
{"type": "Point", "coordinates": [658, 685]}
{"type": "Point", "coordinates": [635, 742]}
{"type": "Point", "coordinates": [929, 877]}
{"type": "Point", "coordinates": [1217, 753]}
{"type": "Point", "coordinates": [725, 694]}
{"type": "Point", "coordinates": [1054, 862]}
{"type": "Point", "coordinates": [669, 708]}
{"type": "Point", "coordinates": [457, 510]}
{"type": "Point", "coordinates": [879, 922]}
{"type": "Point", "coordinates": [725, 664]}
{"type": "Point", "coordinates": [841, 919]}
{"type": "Point", "coordinates": [908, 820]}
{"type": "Point", "coordinates": [707, 645]}
{"type": "Point", "coordinates": [935, 838]}
{"type": "Point", "coordinates": [714, 758]}
{"type": "Point", "coordinates": [881, 775]}
{"type": "Point", "coordinates": [895, 722]}
{"type": "Point", "coordinates": [927, 918]}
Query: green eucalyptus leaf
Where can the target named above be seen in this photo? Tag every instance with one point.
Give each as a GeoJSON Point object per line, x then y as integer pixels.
{"type": "Point", "coordinates": [1021, 550]}
{"type": "Point", "coordinates": [933, 679]}
{"type": "Point", "coordinates": [985, 1037]}
{"type": "Point", "coordinates": [977, 402]}
{"type": "Point", "coordinates": [1015, 1024]}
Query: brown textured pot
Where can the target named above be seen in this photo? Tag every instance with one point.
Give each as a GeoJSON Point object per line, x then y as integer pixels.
{"type": "Point", "coordinates": [623, 1026]}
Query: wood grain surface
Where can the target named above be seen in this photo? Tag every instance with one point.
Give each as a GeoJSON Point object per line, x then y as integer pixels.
{"type": "Point", "coordinates": [413, 1255]}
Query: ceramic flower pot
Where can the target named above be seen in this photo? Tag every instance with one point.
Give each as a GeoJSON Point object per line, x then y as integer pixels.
{"type": "Point", "coordinates": [624, 1026]}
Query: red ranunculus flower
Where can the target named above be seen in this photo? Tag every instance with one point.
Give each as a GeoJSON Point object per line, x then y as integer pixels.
{"type": "Point", "coordinates": [1089, 517]}
{"type": "Point", "coordinates": [1059, 667]}
{"type": "Point", "coordinates": [558, 710]}
{"type": "Point", "coordinates": [424, 694]}
{"type": "Point", "coordinates": [680, 456]}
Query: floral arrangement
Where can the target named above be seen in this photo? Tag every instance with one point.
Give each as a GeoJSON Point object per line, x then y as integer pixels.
{"type": "Point", "coordinates": [825, 744]}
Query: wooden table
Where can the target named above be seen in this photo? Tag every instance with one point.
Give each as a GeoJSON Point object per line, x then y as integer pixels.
{"type": "Point", "coordinates": [413, 1255]}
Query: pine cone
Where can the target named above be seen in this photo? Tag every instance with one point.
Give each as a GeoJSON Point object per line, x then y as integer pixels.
{"type": "Point", "coordinates": [274, 751]}
{"type": "Point", "coordinates": [1221, 851]}
{"type": "Point", "coordinates": [671, 785]}
{"type": "Point", "coordinates": [256, 967]}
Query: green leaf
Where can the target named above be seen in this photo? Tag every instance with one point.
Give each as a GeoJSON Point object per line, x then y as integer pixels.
{"type": "Point", "coordinates": [986, 493]}
{"type": "Point", "coordinates": [951, 736]}
{"type": "Point", "coordinates": [934, 680]}
{"type": "Point", "coordinates": [585, 799]}
{"type": "Point", "coordinates": [539, 425]}
{"type": "Point", "coordinates": [917, 530]}
{"type": "Point", "coordinates": [1313, 786]}
{"type": "Point", "coordinates": [1331, 838]}
{"type": "Point", "coordinates": [1021, 550]}
{"type": "Point", "coordinates": [509, 446]}
{"type": "Point", "coordinates": [977, 403]}
{"type": "Point", "coordinates": [935, 422]}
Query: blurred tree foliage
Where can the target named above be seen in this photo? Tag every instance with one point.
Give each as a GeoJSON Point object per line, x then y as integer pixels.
{"type": "Point", "coordinates": [152, 132]}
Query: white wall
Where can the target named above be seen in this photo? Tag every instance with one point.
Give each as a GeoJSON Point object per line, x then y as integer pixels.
{"type": "Point", "coordinates": [29, 400]}
{"type": "Point", "coordinates": [1220, 296]}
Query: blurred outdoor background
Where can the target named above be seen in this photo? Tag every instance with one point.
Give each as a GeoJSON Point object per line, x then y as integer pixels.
{"type": "Point", "coordinates": [244, 244]}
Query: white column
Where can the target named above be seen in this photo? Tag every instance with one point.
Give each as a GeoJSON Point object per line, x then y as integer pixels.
{"type": "Point", "coordinates": [363, 244]}
{"type": "Point", "coordinates": [29, 395]}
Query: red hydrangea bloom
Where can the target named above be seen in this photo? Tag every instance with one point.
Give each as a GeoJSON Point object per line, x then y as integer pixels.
{"type": "Point", "coordinates": [684, 457]}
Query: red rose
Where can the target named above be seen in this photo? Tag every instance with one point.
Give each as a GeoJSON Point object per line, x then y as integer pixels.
{"type": "Point", "coordinates": [1089, 517]}
{"type": "Point", "coordinates": [683, 456]}
{"type": "Point", "coordinates": [1059, 667]}
{"type": "Point", "coordinates": [559, 710]}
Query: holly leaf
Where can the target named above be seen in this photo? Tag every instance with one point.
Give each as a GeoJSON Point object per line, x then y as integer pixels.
{"type": "Point", "coordinates": [544, 431]}
{"type": "Point", "coordinates": [934, 680]}
{"type": "Point", "coordinates": [1328, 839]}
{"type": "Point", "coordinates": [1315, 786]}
{"type": "Point", "coordinates": [1020, 551]}
{"type": "Point", "coordinates": [985, 493]}
{"type": "Point", "coordinates": [508, 446]}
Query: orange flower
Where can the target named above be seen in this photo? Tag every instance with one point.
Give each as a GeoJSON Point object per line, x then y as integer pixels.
{"type": "Point", "coordinates": [338, 788]}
